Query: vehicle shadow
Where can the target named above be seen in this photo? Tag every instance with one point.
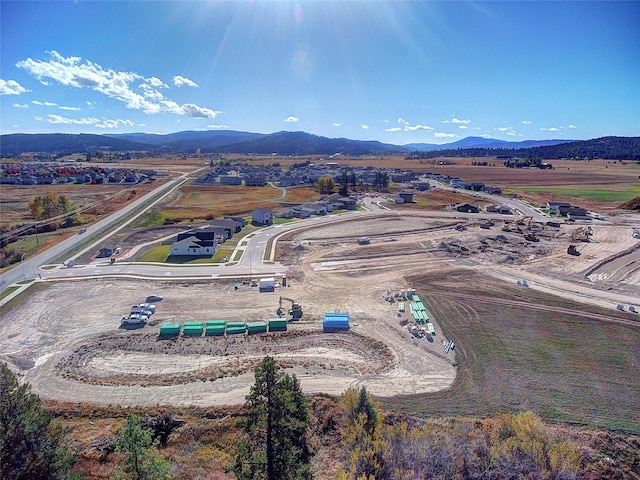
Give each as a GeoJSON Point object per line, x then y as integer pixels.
{"type": "Point", "coordinates": [132, 326]}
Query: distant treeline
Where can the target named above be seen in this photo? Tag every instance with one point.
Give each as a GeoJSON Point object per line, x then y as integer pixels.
{"type": "Point", "coordinates": [610, 148]}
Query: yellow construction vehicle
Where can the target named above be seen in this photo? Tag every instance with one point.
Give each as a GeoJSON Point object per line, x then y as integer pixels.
{"type": "Point", "coordinates": [296, 308]}
{"type": "Point", "coordinates": [581, 234]}
{"type": "Point", "coordinates": [513, 226]}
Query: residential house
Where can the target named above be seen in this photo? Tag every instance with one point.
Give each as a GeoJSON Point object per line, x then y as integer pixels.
{"type": "Point", "coordinates": [554, 207]}
{"type": "Point", "coordinates": [467, 208]}
{"type": "Point", "coordinates": [233, 226]}
{"type": "Point", "coordinates": [502, 209]}
{"type": "Point", "coordinates": [315, 208]}
{"type": "Point", "coordinates": [475, 186]}
{"type": "Point", "coordinates": [288, 181]}
{"type": "Point", "coordinates": [302, 212]}
{"type": "Point", "coordinates": [285, 213]}
{"type": "Point", "coordinates": [572, 211]}
{"type": "Point", "coordinates": [404, 197]}
{"type": "Point", "coordinates": [262, 216]}
{"type": "Point", "coordinates": [420, 185]}
{"type": "Point", "coordinates": [255, 181]}
{"type": "Point", "coordinates": [230, 180]}
{"type": "Point", "coordinates": [106, 250]}
{"type": "Point", "coordinates": [202, 242]}
{"type": "Point", "coordinates": [346, 203]}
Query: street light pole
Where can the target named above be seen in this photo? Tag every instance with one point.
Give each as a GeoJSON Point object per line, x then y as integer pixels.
{"type": "Point", "coordinates": [24, 275]}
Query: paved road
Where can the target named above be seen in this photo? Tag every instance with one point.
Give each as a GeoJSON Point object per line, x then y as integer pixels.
{"type": "Point", "coordinates": [29, 268]}
{"type": "Point", "coordinates": [251, 263]}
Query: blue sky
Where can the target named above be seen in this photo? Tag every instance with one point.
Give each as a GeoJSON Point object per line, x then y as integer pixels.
{"type": "Point", "coordinates": [397, 72]}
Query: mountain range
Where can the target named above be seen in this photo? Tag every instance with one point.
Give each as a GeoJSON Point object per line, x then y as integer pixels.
{"type": "Point", "coordinates": [302, 143]}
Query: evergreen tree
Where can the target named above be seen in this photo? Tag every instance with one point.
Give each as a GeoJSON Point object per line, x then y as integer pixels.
{"type": "Point", "coordinates": [363, 438]}
{"type": "Point", "coordinates": [276, 426]}
{"type": "Point", "coordinates": [143, 461]}
{"type": "Point", "coordinates": [32, 445]}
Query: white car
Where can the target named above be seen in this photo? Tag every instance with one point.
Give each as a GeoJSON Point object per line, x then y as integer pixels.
{"type": "Point", "coordinates": [134, 318]}
{"type": "Point", "coordinates": [148, 306]}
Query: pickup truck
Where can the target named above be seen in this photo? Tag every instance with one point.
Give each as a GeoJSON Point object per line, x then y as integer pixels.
{"type": "Point", "coordinates": [133, 319]}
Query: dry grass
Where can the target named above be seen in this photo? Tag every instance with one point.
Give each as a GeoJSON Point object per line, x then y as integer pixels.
{"type": "Point", "coordinates": [301, 195]}
{"type": "Point", "coordinates": [525, 350]}
{"type": "Point", "coordinates": [108, 198]}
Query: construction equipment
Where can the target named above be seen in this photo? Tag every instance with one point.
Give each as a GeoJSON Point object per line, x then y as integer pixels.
{"type": "Point", "coordinates": [573, 251]}
{"type": "Point", "coordinates": [530, 237]}
{"type": "Point", "coordinates": [296, 308]}
{"type": "Point", "coordinates": [581, 234]}
{"type": "Point", "coordinates": [513, 226]}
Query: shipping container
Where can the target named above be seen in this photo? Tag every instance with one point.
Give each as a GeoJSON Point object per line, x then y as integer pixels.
{"type": "Point", "coordinates": [335, 321]}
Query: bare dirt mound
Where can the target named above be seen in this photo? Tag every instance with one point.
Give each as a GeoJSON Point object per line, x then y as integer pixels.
{"type": "Point", "coordinates": [143, 359]}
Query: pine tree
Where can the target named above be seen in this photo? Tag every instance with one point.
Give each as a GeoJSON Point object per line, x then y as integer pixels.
{"type": "Point", "coordinates": [32, 445]}
{"type": "Point", "coordinates": [275, 426]}
{"type": "Point", "coordinates": [143, 461]}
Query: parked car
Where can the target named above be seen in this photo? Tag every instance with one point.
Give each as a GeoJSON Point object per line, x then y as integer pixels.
{"type": "Point", "coordinates": [82, 230]}
{"type": "Point", "coordinates": [148, 306]}
{"type": "Point", "coordinates": [139, 310]}
{"type": "Point", "coordinates": [154, 298]}
{"type": "Point", "coordinates": [134, 318]}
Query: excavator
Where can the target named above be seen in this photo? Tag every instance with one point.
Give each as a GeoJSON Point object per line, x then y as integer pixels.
{"type": "Point", "coordinates": [296, 308]}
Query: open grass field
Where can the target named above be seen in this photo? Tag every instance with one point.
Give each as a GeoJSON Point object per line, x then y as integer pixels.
{"type": "Point", "coordinates": [195, 203]}
{"type": "Point", "coordinates": [615, 193]}
{"type": "Point", "coordinates": [525, 350]}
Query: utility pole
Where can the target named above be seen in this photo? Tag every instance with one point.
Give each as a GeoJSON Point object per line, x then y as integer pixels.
{"type": "Point", "coordinates": [24, 275]}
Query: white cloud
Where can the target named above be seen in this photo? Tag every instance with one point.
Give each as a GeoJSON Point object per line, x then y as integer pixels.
{"type": "Point", "coordinates": [11, 87]}
{"type": "Point", "coordinates": [106, 123]}
{"type": "Point", "coordinates": [526, 122]}
{"type": "Point", "coordinates": [71, 109]}
{"type": "Point", "coordinates": [512, 133]}
{"type": "Point", "coordinates": [504, 129]}
{"type": "Point", "coordinates": [551, 129]}
{"type": "Point", "coordinates": [484, 135]}
{"type": "Point", "coordinates": [218, 127]}
{"type": "Point", "coordinates": [76, 73]}
{"type": "Point", "coordinates": [409, 128]}
{"type": "Point", "coordinates": [72, 121]}
{"type": "Point", "coordinates": [191, 110]}
{"type": "Point", "coordinates": [445, 135]}
{"type": "Point", "coordinates": [17, 105]}
{"type": "Point", "coordinates": [292, 119]}
{"type": "Point", "coordinates": [462, 126]}
{"type": "Point", "coordinates": [457, 120]}
{"type": "Point", "coordinates": [44, 104]}
{"type": "Point", "coordinates": [572, 126]}
{"type": "Point", "coordinates": [337, 124]}
{"type": "Point", "coordinates": [179, 81]}
{"type": "Point", "coordinates": [96, 122]}
{"type": "Point", "coordinates": [393, 129]}
{"type": "Point", "coordinates": [365, 126]}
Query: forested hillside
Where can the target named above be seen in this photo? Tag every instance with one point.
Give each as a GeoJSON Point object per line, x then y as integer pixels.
{"type": "Point", "coordinates": [610, 148]}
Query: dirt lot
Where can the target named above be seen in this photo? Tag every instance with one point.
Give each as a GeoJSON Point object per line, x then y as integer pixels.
{"type": "Point", "coordinates": [66, 340]}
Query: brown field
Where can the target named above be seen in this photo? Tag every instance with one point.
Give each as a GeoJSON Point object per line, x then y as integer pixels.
{"type": "Point", "coordinates": [200, 201]}
{"type": "Point", "coordinates": [105, 198]}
